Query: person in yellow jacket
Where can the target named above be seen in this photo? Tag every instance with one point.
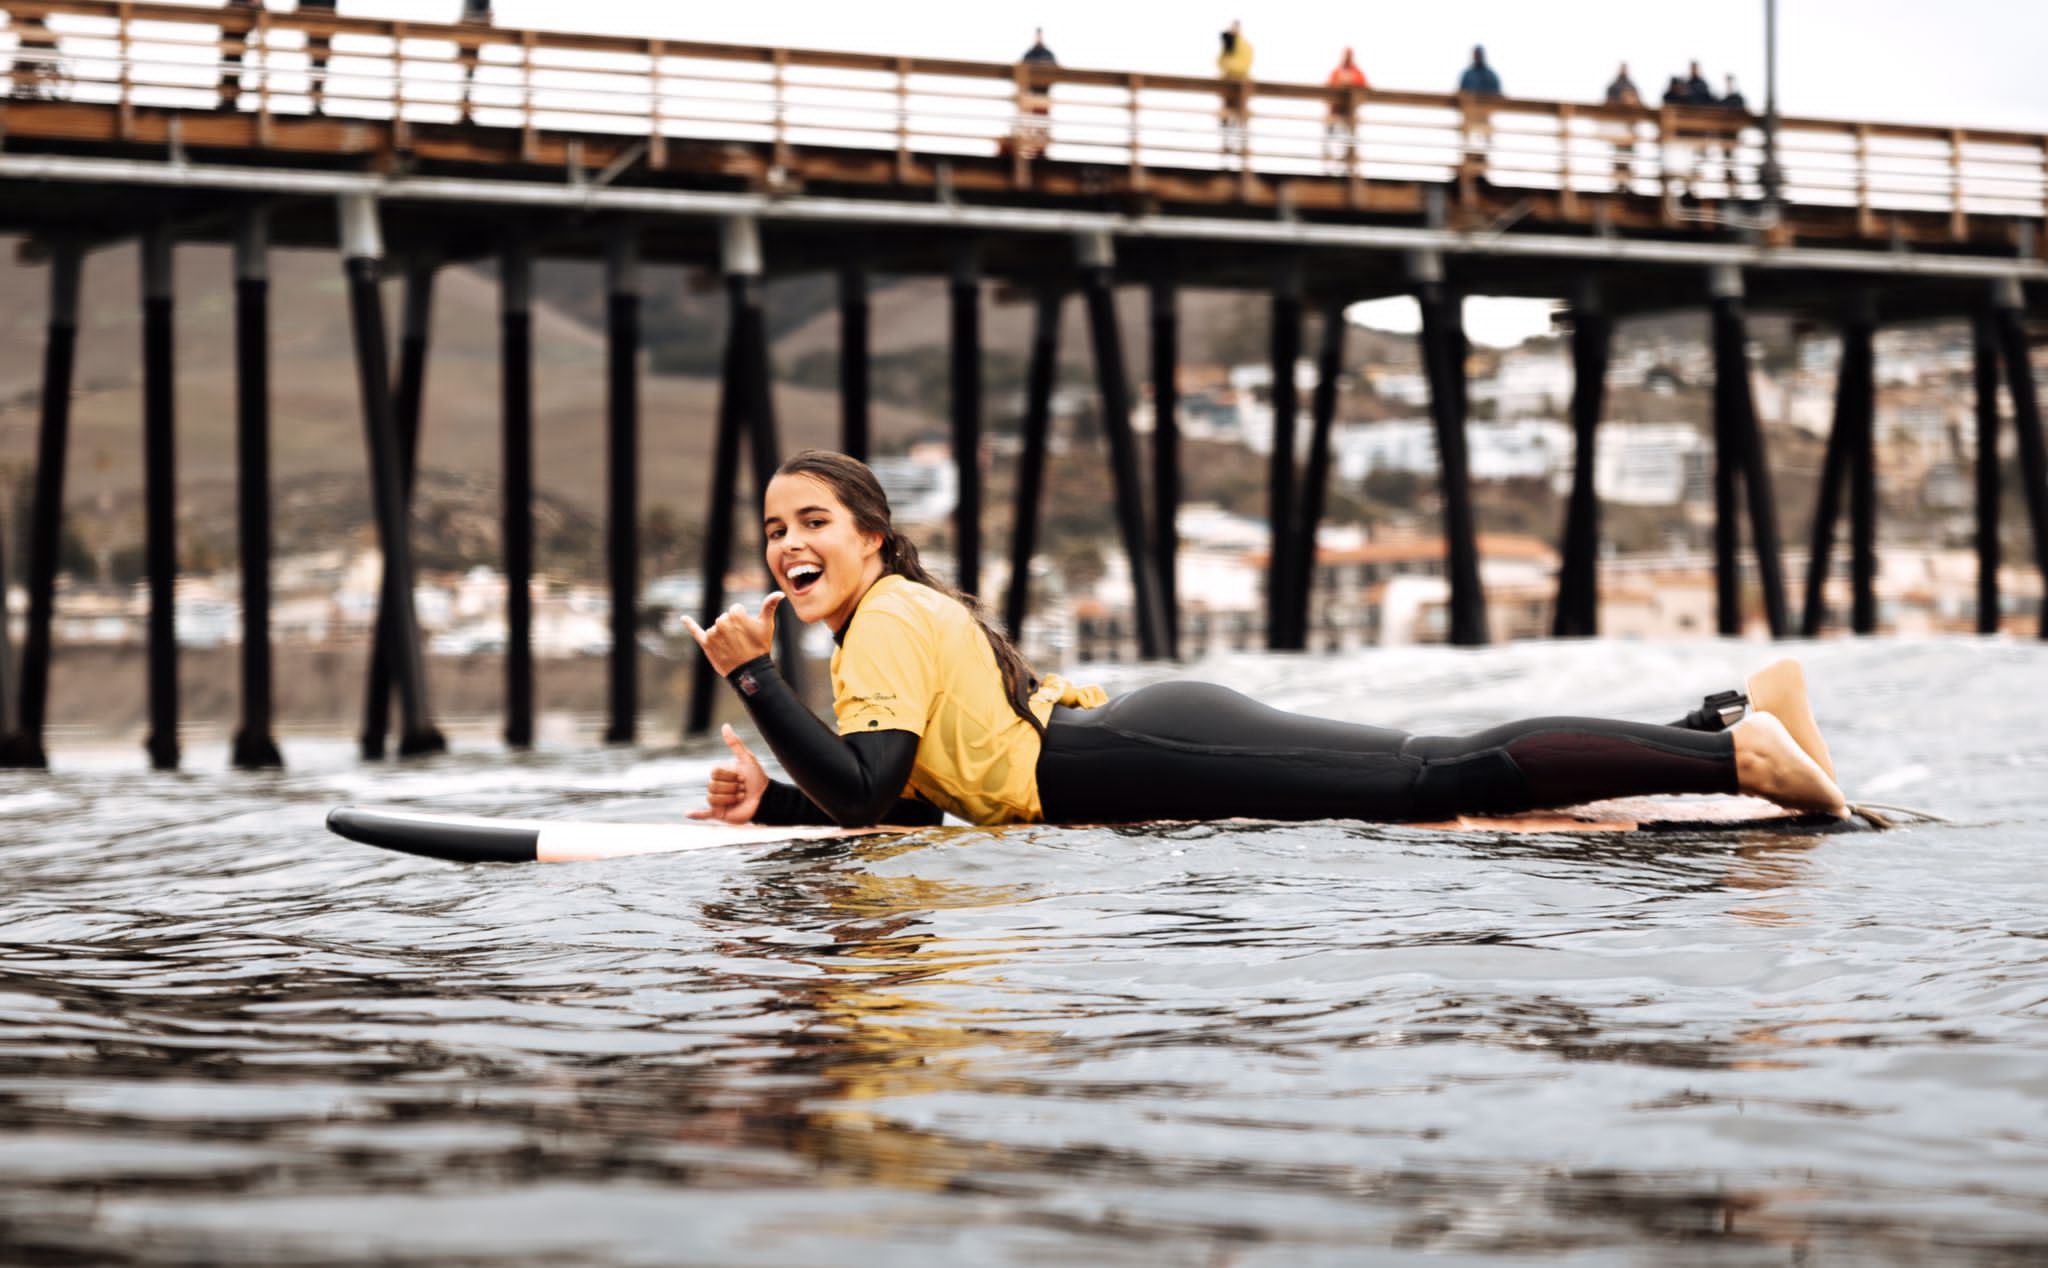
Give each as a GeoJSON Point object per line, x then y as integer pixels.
{"type": "Point", "coordinates": [936, 712]}
{"type": "Point", "coordinates": [1234, 65]}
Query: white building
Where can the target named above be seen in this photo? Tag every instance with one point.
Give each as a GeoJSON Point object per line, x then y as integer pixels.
{"type": "Point", "coordinates": [1645, 464]}
{"type": "Point", "coordinates": [1524, 448]}
{"type": "Point", "coordinates": [1535, 381]}
{"type": "Point", "coordinates": [922, 489]}
{"type": "Point", "coordinates": [1404, 387]}
{"type": "Point", "coordinates": [1399, 444]}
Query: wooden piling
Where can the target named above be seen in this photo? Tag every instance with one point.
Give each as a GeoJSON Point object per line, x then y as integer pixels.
{"type": "Point", "coordinates": [1098, 287]}
{"type": "Point", "coordinates": [854, 403]}
{"type": "Point", "coordinates": [1315, 478]}
{"type": "Point", "coordinates": [515, 319]}
{"type": "Point", "coordinates": [1038, 385]}
{"type": "Point", "coordinates": [362, 255]}
{"type": "Point", "coordinates": [2008, 318]}
{"type": "Point", "coordinates": [1577, 612]}
{"type": "Point", "coordinates": [1284, 347]}
{"type": "Point", "coordinates": [25, 747]}
{"type": "Point", "coordinates": [1984, 373]}
{"type": "Point", "coordinates": [1165, 350]}
{"type": "Point", "coordinates": [1443, 345]}
{"type": "Point", "coordinates": [622, 478]}
{"type": "Point", "coordinates": [254, 747]}
{"type": "Point", "coordinates": [964, 296]}
{"type": "Point", "coordinates": [160, 484]}
{"type": "Point", "coordinates": [408, 391]}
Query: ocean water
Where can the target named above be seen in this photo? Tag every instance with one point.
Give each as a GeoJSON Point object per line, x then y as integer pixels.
{"type": "Point", "coordinates": [227, 1036]}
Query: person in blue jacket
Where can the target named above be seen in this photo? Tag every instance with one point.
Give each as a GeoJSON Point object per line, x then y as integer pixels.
{"type": "Point", "coordinates": [1479, 79]}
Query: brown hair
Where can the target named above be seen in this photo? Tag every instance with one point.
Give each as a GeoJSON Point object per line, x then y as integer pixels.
{"type": "Point", "coordinates": [862, 495]}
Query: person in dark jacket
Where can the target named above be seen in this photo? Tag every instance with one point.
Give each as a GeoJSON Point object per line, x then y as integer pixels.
{"type": "Point", "coordinates": [237, 24]}
{"type": "Point", "coordinates": [1698, 92]}
{"type": "Point", "coordinates": [1034, 97]}
{"type": "Point", "coordinates": [1622, 92]}
{"type": "Point", "coordinates": [477, 13]}
{"type": "Point", "coordinates": [1479, 79]}
{"type": "Point", "coordinates": [318, 48]}
{"type": "Point", "coordinates": [37, 73]}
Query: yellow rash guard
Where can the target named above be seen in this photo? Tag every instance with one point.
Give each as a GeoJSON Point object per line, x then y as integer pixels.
{"type": "Point", "coordinates": [1237, 63]}
{"type": "Point", "coordinates": [914, 660]}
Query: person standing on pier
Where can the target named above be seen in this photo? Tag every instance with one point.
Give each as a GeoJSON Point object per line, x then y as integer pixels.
{"type": "Point", "coordinates": [1234, 64]}
{"type": "Point", "coordinates": [37, 74]}
{"type": "Point", "coordinates": [1034, 96]}
{"type": "Point", "coordinates": [1478, 81]}
{"type": "Point", "coordinates": [1623, 93]}
{"type": "Point", "coordinates": [1694, 88]}
{"type": "Point", "coordinates": [1340, 134]}
{"type": "Point", "coordinates": [237, 25]}
{"type": "Point", "coordinates": [318, 47]}
{"type": "Point", "coordinates": [1726, 139]}
{"type": "Point", "coordinates": [474, 13]}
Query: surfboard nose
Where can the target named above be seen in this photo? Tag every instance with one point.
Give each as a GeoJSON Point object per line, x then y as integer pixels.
{"type": "Point", "coordinates": [437, 836]}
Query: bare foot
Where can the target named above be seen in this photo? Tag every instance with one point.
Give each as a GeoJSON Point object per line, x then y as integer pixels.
{"type": "Point", "coordinates": [1770, 764]}
{"type": "Point", "coordinates": [1780, 690]}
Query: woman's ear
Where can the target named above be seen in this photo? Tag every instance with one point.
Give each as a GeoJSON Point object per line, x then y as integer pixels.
{"type": "Point", "coordinates": [871, 545]}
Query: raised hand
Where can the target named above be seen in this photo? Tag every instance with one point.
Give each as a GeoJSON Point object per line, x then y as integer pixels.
{"type": "Point", "coordinates": [734, 792]}
{"type": "Point", "coordinates": [737, 636]}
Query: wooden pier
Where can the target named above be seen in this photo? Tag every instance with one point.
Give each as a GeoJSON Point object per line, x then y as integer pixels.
{"type": "Point", "coordinates": [408, 145]}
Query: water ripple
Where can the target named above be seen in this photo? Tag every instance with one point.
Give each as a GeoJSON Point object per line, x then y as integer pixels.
{"type": "Point", "coordinates": [227, 1036]}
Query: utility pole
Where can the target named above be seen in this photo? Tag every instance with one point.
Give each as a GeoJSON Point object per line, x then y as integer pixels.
{"type": "Point", "coordinates": [1771, 177]}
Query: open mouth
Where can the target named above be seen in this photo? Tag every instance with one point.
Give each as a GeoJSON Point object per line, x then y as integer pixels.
{"type": "Point", "coordinates": [801, 577]}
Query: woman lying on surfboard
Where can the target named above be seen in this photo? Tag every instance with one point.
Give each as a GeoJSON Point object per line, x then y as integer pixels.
{"type": "Point", "coordinates": [936, 712]}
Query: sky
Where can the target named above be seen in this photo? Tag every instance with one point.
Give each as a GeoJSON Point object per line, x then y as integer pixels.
{"type": "Point", "coordinates": [1951, 62]}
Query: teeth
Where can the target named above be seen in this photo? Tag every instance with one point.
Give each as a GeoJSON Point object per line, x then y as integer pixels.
{"type": "Point", "coordinates": [804, 572]}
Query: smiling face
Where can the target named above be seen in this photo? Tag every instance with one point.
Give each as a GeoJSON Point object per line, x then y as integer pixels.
{"type": "Point", "coordinates": [817, 553]}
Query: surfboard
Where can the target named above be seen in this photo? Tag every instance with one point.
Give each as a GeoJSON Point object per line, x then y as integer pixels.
{"type": "Point", "coordinates": [477, 839]}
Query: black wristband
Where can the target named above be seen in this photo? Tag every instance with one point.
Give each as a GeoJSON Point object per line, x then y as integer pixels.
{"type": "Point", "coordinates": [742, 676]}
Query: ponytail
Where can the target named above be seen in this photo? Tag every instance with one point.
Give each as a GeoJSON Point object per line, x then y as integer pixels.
{"type": "Point", "coordinates": [899, 556]}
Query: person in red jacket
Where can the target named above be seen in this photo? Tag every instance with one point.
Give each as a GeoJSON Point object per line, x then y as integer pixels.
{"type": "Point", "coordinates": [1340, 134]}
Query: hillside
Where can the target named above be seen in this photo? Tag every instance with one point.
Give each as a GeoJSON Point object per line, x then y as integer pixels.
{"type": "Point", "coordinates": [317, 437]}
{"type": "Point", "coordinates": [317, 443]}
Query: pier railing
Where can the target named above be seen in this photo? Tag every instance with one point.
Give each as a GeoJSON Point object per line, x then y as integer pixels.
{"type": "Point", "coordinates": [250, 76]}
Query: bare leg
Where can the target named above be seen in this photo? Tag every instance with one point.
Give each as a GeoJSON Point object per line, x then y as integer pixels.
{"type": "Point", "coordinates": [1780, 689]}
{"type": "Point", "coordinates": [1771, 765]}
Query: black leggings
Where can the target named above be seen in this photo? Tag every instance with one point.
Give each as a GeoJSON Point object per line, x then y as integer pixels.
{"type": "Point", "coordinates": [1192, 750]}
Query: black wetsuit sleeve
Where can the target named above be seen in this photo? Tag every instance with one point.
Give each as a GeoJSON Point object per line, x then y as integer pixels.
{"type": "Point", "coordinates": [783, 804]}
{"type": "Point", "coordinates": [856, 780]}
